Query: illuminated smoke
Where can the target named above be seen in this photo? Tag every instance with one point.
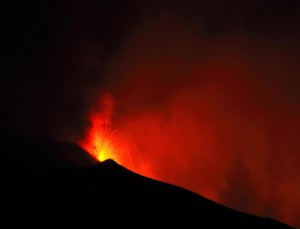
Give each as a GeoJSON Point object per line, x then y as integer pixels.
{"type": "Point", "coordinates": [103, 141]}
{"type": "Point", "coordinates": [207, 92]}
{"type": "Point", "coordinates": [215, 117]}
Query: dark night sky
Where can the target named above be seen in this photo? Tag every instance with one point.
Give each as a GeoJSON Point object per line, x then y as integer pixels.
{"type": "Point", "coordinates": [229, 69]}
{"type": "Point", "coordinates": [56, 53]}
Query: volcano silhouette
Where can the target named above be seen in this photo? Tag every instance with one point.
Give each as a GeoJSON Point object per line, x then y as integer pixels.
{"type": "Point", "coordinates": [50, 184]}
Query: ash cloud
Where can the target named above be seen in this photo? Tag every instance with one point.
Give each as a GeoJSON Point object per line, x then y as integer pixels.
{"type": "Point", "coordinates": [208, 91]}
{"type": "Point", "coordinates": [214, 108]}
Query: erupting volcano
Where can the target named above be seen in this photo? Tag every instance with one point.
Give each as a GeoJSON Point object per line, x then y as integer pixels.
{"type": "Point", "coordinates": [104, 142]}
{"type": "Point", "coordinates": [204, 95]}
{"type": "Point", "coordinates": [101, 140]}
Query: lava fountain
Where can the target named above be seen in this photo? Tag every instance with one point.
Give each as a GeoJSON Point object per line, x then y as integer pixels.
{"type": "Point", "coordinates": [103, 141]}
{"type": "Point", "coordinates": [100, 139]}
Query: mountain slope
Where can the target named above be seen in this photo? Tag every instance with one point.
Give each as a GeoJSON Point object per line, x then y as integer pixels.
{"type": "Point", "coordinates": [102, 195]}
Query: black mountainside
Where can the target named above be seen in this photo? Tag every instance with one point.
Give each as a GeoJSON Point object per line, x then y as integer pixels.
{"type": "Point", "coordinates": [49, 184]}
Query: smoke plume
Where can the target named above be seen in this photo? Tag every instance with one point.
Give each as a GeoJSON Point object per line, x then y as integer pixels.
{"type": "Point", "coordinates": [208, 91]}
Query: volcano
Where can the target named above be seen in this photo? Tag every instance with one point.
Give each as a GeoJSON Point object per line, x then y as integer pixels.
{"type": "Point", "coordinates": [50, 184]}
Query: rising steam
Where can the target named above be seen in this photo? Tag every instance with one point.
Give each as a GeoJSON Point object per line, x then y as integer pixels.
{"type": "Point", "coordinates": [204, 94]}
{"type": "Point", "coordinates": [215, 116]}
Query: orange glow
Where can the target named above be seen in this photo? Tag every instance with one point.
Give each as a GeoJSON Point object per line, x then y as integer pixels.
{"type": "Point", "coordinates": [99, 141]}
{"type": "Point", "coordinates": [208, 120]}
{"type": "Point", "coordinates": [104, 142]}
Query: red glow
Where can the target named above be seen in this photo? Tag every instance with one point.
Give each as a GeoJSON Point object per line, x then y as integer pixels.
{"type": "Point", "coordinates": [197, 148]}
{"type": "Point", "coordinates": [104, 142]}
{"type": "Point", "coordinates": [212, 120]}
{"type": "Point", "coordinates": [100, 139]}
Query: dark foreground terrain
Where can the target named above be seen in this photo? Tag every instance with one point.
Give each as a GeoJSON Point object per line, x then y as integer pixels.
{"type": "Point", "coordinates": [49, 184]}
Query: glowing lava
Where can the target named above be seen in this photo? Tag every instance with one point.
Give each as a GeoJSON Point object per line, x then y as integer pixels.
{"type": "Point", "coordinates": [104, 142]}
{"type": "Point", "coordinates": [99, 140]}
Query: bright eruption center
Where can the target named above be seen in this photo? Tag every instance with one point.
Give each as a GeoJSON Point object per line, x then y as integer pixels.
{"type": "Point", "coordinates": [101, 140]}
{"type": "Point", "coordinates": [103, 148]}
{"type": "Point", "coordinates": [104, 142]}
